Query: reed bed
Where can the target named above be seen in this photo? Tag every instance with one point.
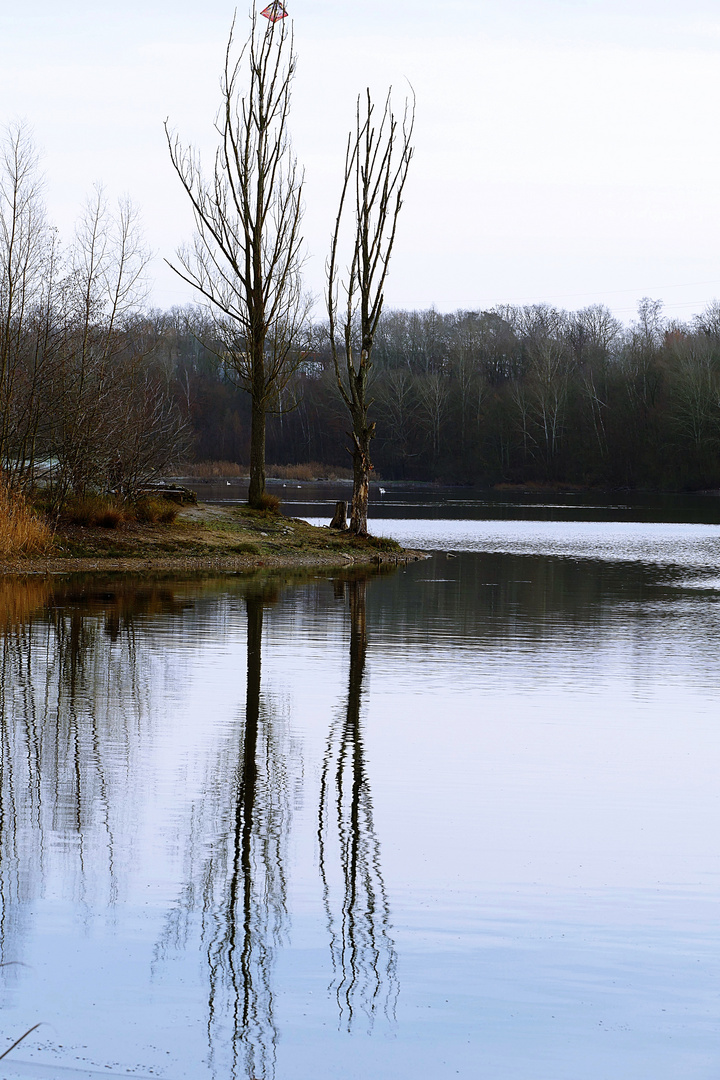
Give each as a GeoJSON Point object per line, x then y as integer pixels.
{"type": "Point", "coordinates": [208, 470]}
{"type": "Point", "coordinates": [22, 531]}
{"type": "Point", "coordinates": [310, 470]}
{"type": "Point", "coordinates": [221, 470]}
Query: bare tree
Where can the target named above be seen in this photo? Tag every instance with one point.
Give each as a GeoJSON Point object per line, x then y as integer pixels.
{"type": "Point", "coordinates": [397, 408]}
{"type": "Point", "coordinates": [591, 331]}
{"type": "Point", "coordinates": [643, 345]}
{"type": "Point", "coordinates": [96, 364]}
{"type": "Point", "coordinates": [695, 398]}
{"type": "Point", "coordinates": [376, 166]}
{"type": "Point", "coordinates": [246, 257]}
{"type": "Point", "coordinates": [545, 389]}
{"type": "Point", "coordinates": [76, 387]}
{"type": "Point", "coordinates": [434, 395]}
{"type": "Point", "coordinates": [28, 263]}
{"type": "Point", "coordinates": [465, 349]}
{"type": "Point", "coordinates": [155, 430]}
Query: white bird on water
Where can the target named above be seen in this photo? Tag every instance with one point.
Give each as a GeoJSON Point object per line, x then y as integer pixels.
{"type": "Point", "coordinates": [381, 490]}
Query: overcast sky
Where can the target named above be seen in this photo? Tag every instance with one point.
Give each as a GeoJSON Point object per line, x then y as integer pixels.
{"type": "Point", "coordinates": [567, 150]}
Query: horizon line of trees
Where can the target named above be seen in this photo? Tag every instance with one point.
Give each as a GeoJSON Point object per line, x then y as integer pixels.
{"type": "Point", "coordinates": [114, 393]}
{"type": "Point", "coordinates": [513, 394]}
{"type": "Point", "coordinates": [98, 392]}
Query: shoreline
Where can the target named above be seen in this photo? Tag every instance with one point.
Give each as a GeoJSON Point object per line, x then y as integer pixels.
{"type": "Point", "coordinates": [528, 487]}
{"type": "Point", "coordinates": [208, 538]}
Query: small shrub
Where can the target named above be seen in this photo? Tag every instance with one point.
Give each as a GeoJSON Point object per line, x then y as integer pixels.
{"type": "Point", "coordinates": [245, 547]}
{"type": "Point", "coordinates": [383, 543]}
{"type": "Point", "coordinates": [152, 511]}
{"type": "Point", "coordinates": [110, 518]}
{"type": "Point", "coordinates": [21, 531]}
{"type": "Point", "coordinates": [269, 503]}
{"type": "Point", "coordinates": [94, 510]}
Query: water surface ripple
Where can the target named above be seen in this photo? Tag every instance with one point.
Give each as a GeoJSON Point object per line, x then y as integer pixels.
{"type": "Point", "coordinates": [458, 819]}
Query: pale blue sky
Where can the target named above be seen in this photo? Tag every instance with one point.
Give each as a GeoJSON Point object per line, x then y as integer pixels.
{"type": "Point", "coordinates": [566, 151]}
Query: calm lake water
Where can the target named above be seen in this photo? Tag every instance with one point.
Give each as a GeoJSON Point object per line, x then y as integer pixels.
{"type": "Point", "coordinates": [461, 819]}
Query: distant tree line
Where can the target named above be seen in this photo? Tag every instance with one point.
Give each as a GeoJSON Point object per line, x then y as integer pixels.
{"type": "Point", "coordinates": [514, 394]}
{"type": "Point", "coordinates": [97, 391]}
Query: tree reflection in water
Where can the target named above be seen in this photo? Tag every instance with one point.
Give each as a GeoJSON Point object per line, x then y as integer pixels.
{"type": "Point", "coordinates": [363, 952]}
{"type": "Point", "coordinates": [80, 664]}
{"type": "Point", "coordinates": [245, 885]}
{"type": "Point", "coordinates": [237, 879]}
{"type": "Point", "coordinates": [74, 696]}
{"type": "Point", "coordinates": [239, 882]}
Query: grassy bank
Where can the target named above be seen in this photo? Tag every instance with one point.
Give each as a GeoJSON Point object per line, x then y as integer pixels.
{"type": "Point", "coordinates": [201, 537]}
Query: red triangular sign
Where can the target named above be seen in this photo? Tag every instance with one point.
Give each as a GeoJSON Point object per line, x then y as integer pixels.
{"type": "Point", "coordinates": [274, 11]}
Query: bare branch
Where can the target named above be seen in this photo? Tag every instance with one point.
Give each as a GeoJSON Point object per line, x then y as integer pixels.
{"type": "Point", "coordinates": [377, 159]}
{"type": "Point", "coordinates": [246, 258]}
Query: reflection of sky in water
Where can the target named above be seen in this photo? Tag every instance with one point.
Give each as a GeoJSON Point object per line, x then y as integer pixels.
{"type": "Point", "coordinates": [671, 544]}
{"type": "Point", "coordinates": [536, 752]}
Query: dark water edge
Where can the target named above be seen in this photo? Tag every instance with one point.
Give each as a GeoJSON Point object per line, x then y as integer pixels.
{"type": "Point", "coordinates": [433, 501]}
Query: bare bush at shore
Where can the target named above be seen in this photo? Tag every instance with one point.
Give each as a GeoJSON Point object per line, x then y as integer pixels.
{"type": "Point", "coordinates": [112, 512]}
{"type": "Point", "coordinates": [22, 532]}
{"type": "Point", "coordinates": [85, 399]}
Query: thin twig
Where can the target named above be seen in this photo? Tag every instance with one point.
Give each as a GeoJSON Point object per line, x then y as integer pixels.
{"type": "Point", "coordinates": [18, 1041]}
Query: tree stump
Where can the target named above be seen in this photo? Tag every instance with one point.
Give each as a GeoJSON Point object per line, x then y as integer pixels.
{"type": "Point", "coordinates": [339, 520]}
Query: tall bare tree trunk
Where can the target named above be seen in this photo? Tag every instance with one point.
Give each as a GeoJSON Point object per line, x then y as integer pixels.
{"type": "Point", "coordinates": [361, 480]}
{"type": "Point", "coordinates": [376, 165]}
{"type": "Point", "coordinates": [246, 258]}
{"type": "Point", "coordinates": [256, 490]}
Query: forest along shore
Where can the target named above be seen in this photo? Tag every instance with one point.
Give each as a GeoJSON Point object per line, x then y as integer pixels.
{"type": "Point", "coordinates": [205, 537]}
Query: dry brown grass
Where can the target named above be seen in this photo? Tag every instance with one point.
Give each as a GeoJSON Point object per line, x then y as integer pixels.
{"type": "Point", "coordinates": [154, 511]}
{"type": "Point", "coordinates": [311, 470]}
{"type": "Point", "coordinates": [269, 502]}
{"type": "Point", "coordinates": [109, 512]}
{"type": "Point", "coordinates": [94, 510]}
{"type": "Point", "coordinates": [207, 470]}
{"type": "Point", "coordinates": [22, 532]}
